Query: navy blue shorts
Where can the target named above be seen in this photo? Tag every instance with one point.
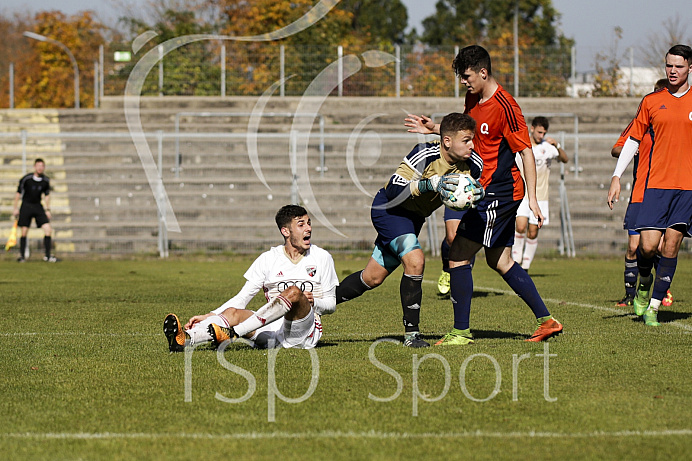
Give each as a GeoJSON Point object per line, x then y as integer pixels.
{"type": "Point", "coordinates": [397, 231]}
{"type": "Point", "coordinates": [393, 222]}
{"type": "Point", "coordinates": [491, 223]}
{"type": "Point", "coordinates": [453, 214]}
{"type": "Point", "coordinates": [631, 216]}
{"type": "Point", "coordinates": [664, 208]}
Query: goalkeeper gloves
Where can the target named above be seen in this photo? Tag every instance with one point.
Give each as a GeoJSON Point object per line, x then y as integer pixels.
{"type": "Point", "coordinates": [478, 193]}
{"type": "Point", "coordinates": [442, 185]}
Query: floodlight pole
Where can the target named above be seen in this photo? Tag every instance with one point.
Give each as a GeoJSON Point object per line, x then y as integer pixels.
{"type": "Point", "coordinates": [42, 38]}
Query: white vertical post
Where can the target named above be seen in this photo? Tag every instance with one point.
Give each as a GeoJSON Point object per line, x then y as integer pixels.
{"type": "Point", "coordinates": [516, 49]}
{"type": "Point", "coordinates": [575, 94]}
{"type": "Point", "coordinates": [160, 70]}
{"type": "Point", "coordinates": [101, 72]}
{"type": "Point", "coordinates": [223, 71]}
{"type": "Point", "coordinates": [294, 166]}
{"type": "Point", "coordinates": [282, 69]}
{"type": "Point", "coordinates": [456, 79]}
{"type": "Point", "coordinates": [629, 91]}
{"type": "Point", "coordinates": [11, 85]}
{"type": "Point", "coordinates": [96, 84]}
{"type": "Point", "coordinates": [340, 65]}
{"type": "Point", "coordinates": [397, 51]}
{"type": "Point", "coordinates": [163, 228]}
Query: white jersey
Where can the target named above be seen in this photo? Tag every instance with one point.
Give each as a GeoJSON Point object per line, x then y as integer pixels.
{"type": "Point", "coordinates": [313, 272]}
{"type": "Point", "coordinates": [273, 272]}
{"type": "Point", "coordinates": [544, 154]}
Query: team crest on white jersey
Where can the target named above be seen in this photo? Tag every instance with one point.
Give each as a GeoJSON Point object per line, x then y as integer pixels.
{"type": "Point", "coordinates": [312, 270]}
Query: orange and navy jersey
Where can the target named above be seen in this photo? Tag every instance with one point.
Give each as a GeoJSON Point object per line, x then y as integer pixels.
{"type": "Point", "coordinates": [500, 132]}
{"type": "Point", "coordinates": [641, 163]}
{"type": "Point", "coordinates": [670, 120]}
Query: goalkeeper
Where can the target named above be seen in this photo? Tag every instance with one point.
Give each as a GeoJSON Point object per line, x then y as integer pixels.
{"type": "Point", "coordinates": [399, 210]}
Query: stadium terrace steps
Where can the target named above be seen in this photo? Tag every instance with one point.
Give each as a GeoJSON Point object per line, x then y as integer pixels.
{"type": "Point", "coordinates": [220, 204]}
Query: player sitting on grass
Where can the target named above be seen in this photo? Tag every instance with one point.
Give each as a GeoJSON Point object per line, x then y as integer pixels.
{"type": "Point", "coordinates": [299, 282]}
{"type": "Point", "coordinates": [399, 210]}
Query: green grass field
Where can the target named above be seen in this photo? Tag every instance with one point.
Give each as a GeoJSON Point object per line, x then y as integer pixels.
{"type": "Point", "coordinates": [86, 372]}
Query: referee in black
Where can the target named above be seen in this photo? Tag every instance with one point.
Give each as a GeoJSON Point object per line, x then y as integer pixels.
{"type": "Point", "coordinates": [31, 188]}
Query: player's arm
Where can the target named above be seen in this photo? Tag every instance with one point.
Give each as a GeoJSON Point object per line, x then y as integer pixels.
{"type": "Point", "coordinates": [421, 124]}
{"type": "Point", "coordinates": [561, 154]}
{"type": "Point", "coordinates": [529, 162]}
{"type": "Point", "coordinates": [628, 151]}
{"type": "Point", "coordinates": [15, 204]}
{"type": "Point", "coordinates": [46, 201]}
{"type": "Point", "coordinates": [325, 304]}
{"type": "Point", "coordinates": [239, 301]}
{"type": "Point", "coordinates": [615, 151]}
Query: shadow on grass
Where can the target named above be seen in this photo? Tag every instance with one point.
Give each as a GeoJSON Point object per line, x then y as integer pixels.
{"type": "Point", "coordinates": [431, 338]}
{"type": "Point", "coordinates": [672, 316]}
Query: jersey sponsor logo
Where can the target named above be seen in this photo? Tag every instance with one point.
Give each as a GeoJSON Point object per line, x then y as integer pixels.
{"type": "Point", "coordinates": [690, 116]}
{"type": "Point", "coordinates": [312, 270]}
{"type": "Point", "coordinates": [485, 129]}
{"type": "Point", "coordinates": [303, 286]}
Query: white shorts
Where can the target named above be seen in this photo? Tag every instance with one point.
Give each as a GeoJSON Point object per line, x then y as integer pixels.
{"type": "Point", "coordinates": [525, 211]}
{"type": "Point", "coordinates": [299, 334]}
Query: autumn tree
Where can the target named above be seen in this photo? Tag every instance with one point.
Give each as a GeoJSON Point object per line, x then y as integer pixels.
{"type": "Point", "coordinates": [490, 24]}
{"type": "Point", "coordinates": [52, 85]}
{"type": "Point", "coordinates": [672, 32]}
{"type": "Point", "coordinates": [15, 49]}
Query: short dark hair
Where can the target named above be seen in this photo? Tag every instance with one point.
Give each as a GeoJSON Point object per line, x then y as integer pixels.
{"type": "Point", "coordinates": [540, 121]}
{"type": "Point", "coordinates": [472, 57]}
{"type": "Point", "coordinates": [455, 122]}
{"type": "Point", "coordinates": [286, 214]}
{"type": "Point", "coordinates": [38, 160]}
{"type": "Point", "coordinates": [681, 50]}
{"type": "Point", "coordinates": [660, 84]}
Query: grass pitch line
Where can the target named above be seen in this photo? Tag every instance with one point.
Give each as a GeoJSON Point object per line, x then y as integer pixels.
{"type": "Point", "coordinates": [611, 310]}
{"type": "Point", "coordinates": [345, 435]}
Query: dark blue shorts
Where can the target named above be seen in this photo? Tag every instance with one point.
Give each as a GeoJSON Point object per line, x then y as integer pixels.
{"type": "Point", "coordinates": [393, 222]}
{"type": "Point", "coordinates": [664, 208]}
{"type": "Point", "coordinates": [453, 214]}
{"type": "Point", "coordinates": [491, 223]}
{"type": "Point", "coordinates": [631, 216]}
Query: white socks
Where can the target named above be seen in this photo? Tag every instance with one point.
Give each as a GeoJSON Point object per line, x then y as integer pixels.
{"type": "Point", "coordinates": [268, 313]}
{"type": "Point", "coordinates": [199, 332]}
{"type": "Point", "coordinates": [529, 252]}
{"type": "Point", "coordinates": [518, 247]}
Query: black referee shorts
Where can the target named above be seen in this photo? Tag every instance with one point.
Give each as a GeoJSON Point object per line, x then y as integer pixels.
{"type": "Point", "coordinates": [30, 211]}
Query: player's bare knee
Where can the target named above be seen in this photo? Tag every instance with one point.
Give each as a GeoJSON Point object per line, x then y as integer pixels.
{"type": "Point", "coordinates": [293, 294]}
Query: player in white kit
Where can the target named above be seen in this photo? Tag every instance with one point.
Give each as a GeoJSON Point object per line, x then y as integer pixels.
{"type": "Point", "coordinates": [545, 149]}
{"type": "Point", "coordinates": [299, 283]}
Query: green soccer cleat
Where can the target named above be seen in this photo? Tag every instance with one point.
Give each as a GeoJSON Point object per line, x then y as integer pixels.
{"type": "Point", "coordinates": [651, 318]}
{"type": "Point", "coordinates": [641, 300]}
{"type": "Point", "coordinates": [454, 339]}
{"type": "Point", "coordinates": [443, 284]}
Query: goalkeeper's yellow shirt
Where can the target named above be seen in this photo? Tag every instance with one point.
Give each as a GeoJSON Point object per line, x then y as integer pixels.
{"type": "Point", "coordinates": [425, 161]}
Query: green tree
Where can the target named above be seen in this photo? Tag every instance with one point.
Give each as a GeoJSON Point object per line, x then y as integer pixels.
{"type": "Point", "coordinates": [490, 24]}
{"type": "Point", "coordinates": [384, 21]}
{"type": "Point", "coordinates": [190, 70]}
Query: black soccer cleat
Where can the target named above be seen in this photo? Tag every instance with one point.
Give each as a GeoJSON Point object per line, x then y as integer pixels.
{"type": "Point", "coordinates": [174, 333]}
{"type": "Point", "coordinates": [415, 340]}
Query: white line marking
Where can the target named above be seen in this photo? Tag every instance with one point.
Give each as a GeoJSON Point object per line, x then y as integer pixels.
{"type": "Point", "coordinates": [612, 310]}
{"type": "Point", "coordinates": [343, 435]}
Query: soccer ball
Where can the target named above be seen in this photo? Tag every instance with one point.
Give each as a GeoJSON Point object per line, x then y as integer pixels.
{"type": "Point", "coordinates": [463, 197]}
